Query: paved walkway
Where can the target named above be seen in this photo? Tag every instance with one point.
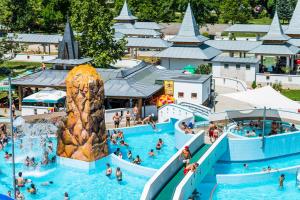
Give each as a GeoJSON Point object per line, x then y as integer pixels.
{"type": "Point", "coordinates": [226, 103]}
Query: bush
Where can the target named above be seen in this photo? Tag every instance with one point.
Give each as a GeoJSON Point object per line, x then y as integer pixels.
{"type": "Point", "coordinates": [254, 85]}
{"type": "Point", "coordinates": [203, 69]}
{"type": "Point", "coordinates": [277, 87]}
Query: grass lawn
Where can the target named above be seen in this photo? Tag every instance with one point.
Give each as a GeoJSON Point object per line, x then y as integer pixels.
{"type": "Point", "coordinates": [292, 94]}
{"type": "Point", "coordinates": [20, 67]}
{"type": "Point", "coordinates": [263, 20]}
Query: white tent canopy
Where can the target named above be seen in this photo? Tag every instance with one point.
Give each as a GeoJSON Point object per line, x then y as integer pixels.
{"type": "Point", "coordinates": [46, 95]}
{"type": "Point", "coordinates": [265, 97]}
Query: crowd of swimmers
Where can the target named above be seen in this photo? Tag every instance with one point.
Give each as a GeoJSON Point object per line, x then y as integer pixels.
{"type": "Point", "coordinates": [254, 125]}
{"type": "Point", "coordinates": [109, 171]}
{"type": "Point", "coordinates": [188, 129]}
{"type": "Point", "coordinates": [117, 118]}
{"type": "Point", "coordinates": [117, 138]}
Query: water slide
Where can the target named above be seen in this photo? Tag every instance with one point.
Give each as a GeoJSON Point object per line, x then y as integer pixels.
{"type": "Point", "coordinates": [169, 189]}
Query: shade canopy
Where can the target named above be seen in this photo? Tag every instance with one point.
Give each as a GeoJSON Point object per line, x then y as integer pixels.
{"type": "Point", "coordinates": [265, 97]}
{"type": "Point", "coordinates": [47, 95]}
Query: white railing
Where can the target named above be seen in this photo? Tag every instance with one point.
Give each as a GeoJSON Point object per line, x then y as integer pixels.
{"type": "Point", "coordinates": [174, 111]}
{"type": "Point", "coordinates": [287, 81]}
{"type": "Point", "coordinates": [236, 84]}
{"type": "Point", "coordinates": [206, 162]}
{"type": "Point", "coordinates": [203, 110]}
{"type": "Point", "coordinates": [171, 167]}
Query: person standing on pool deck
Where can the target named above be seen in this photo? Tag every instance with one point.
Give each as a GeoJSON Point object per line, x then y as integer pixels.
{"type": "Point", "coordinates": [135, 113]}
{"type": "Point", "coordinates": [281, 180]}
{"type": "Point", "coordinates": [119, 174]}
{"type": "Point", "coordinates": [117, 119]}
{"type": "Point", "coordinates": [127, 116]}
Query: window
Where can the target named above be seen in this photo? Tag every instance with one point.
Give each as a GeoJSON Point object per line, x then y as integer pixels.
{"type": "Point", "coordinates": [238, 66]}
{"type": "Point", "coordinates": [180, 94]}
{"type": "Point", "coordinates": [194, 95]}
{"type": "Point", "coordinates": [226, 66]}
{"type": "Point", "coordinates": [247, 67]}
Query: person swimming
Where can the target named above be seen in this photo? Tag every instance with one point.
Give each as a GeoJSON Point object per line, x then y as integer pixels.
{"type": "Point", "coordinates": [47, 183]}
{"type": "Point", "coordinates": [137, 160]}
{"type": "Point", "coordinates": [19, 195]}
{"type": "Point", "coordinates": [123, 143]}
{"type": "Point", "coordinates": [7, 155]}
{"type": "Point", "coordinates": [117, 152]}
{"type": "Point", "coordinates": [245, 165]}
{"type": "Point", "coordinates": [32, 189]}
{"type": "Point", "coordinates": [66, 196]}
{"type": "Point", "coordinates": [27, 161]}
{"type": "Point", "coordinates": [151, 153]}
{"type": "Point", "coordinates": [119, 174]}
{"type": "Point", "coordinates": [20, 180]}
{"type": "Point", "coordinates": [129, 155]}
{"type": "Point", "coordinates": [281, 180]}
{"type": "Point", "coordinates": [108, 171]}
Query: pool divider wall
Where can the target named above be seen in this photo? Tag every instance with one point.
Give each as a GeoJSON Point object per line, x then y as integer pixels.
{"type": "Point", "coordinates": [171, 167]}
{"type": "Point", "coordinates": [165, 126]}
{"type": "Point", "coordinates": [133, 168]}
{"type": "Point", "coordinates": [250, 149]}
{"type": "Point", "coordinates": [174, 111]}
{"type": "Point", "coordinates": [256, 177]}
{"type": "Point", "coordinates": [180, 137]}
{"type": "Point", "coordinates": [206, 162]}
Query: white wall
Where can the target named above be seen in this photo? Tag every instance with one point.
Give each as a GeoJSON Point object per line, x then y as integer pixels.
{"type": "Point", "coordinates": [34, 58]}
{"type": "Point", "coordinates": [174, 63]}
{"type": "Point", "coordinates": [236, 84]}
{"type": "Point", "coordinates": [173, 111]}
{"type": "Point", "coordinates": [29, 110]}
{"type": "Point", "coordinates": [287, 81]}
{"type": "Point", "coordinates": [201, 89]}
{"type": "Point", "coordinates": [247, 75]}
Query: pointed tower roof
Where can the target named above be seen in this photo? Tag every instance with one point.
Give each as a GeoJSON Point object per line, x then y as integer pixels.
{"type": "Point", "coordinates": [189, 29]}
{"type": "Point", "coordinates": [275, 32]}
{"type": "Point", "coordinates": [68, 47]}
{"type": "Point", "coordinates": [125, 14]}
{"type": "Point", "coordinates": [294, 26]}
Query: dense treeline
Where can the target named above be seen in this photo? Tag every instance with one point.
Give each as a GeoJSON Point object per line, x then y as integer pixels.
{"type": "Point", "coordinates": [50, 15]}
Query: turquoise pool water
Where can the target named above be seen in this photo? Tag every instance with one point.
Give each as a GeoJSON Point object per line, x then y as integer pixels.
{"type": "Point", "coordinates": [79, 184]}
{"type": "Point", "coordinates": [259, 191]}
{"type": "Point", "coordinates": [258, 130]}
{"type": "Point", "coordinates": [257, 166]}
{"type": "Point", "coordinates": [141, 143]}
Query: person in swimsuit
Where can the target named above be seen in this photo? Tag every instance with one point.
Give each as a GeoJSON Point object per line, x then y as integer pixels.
{"type": "Point", "coordinates": [31, 189]}
{"type": "Point", "coordinates": [137, 160]}
{"type": "Point", "coordinates": [108, 170]}
{"type": "Point", "coordinates": [129, 155]}
{"type": "Point", "coordinates": [119, 174]}
{"type": "Point", "coordinates": [117, 119]}
{"type": "Point", "coordinates": [135, 113]}
{"type": "Point", "coordinates": [186, 155]}
{"type": "Point", "coordinates": [19, 195]}
{"type": "Point", "coordinates": [20, 180]}
{"type": "Point", "coordinates": [190, 167]}
{"type": "Point", "coordinates": [281, 180]}
{"type": "Point", "coordinates": [128, 116]}
{"type": "Point", "coordinates": [151, 153]}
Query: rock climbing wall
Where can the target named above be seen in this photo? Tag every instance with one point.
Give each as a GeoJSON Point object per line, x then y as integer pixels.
{"type": "Point", "coordinates": [82, 134]}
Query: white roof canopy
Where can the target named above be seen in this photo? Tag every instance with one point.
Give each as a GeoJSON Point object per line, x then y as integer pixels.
{"type": "Point", "coordinates": [265, 97]}
{"type": "Point", "coordinates": [47, 95]}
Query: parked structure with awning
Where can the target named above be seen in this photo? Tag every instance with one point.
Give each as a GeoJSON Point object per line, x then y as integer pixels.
{"type": "Point", "coordinates": [265, 97]}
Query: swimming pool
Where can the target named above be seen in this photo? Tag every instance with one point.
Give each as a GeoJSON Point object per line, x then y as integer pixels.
{"type": "Point", "coordinates": [256, 166]}
{"type": "Point", "coordinates": [267, 190]}
{"type": "Point", "coordinates": [141, 143]}
{"type": "Point", "coordinates": [78, 183]}
{"type": "Point", "coordinates": [242, 130]}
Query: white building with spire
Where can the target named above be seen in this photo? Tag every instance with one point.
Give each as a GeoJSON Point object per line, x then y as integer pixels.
{"type": "Point", "coordinates": [188, 48]}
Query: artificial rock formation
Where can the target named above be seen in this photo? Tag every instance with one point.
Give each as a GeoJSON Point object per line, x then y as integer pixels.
{"type": "Point", "coordinates": [82, 135]}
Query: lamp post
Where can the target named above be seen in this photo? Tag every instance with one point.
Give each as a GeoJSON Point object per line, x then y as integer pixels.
{"type": "Point", "coordinates": [7, 72]}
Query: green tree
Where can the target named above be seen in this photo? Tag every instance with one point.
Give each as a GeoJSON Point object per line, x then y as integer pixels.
{"type": "Point", "coordinates": [285, 9]}
{"type": "Point", "coordinates": [254, 85]}
{"type": "Point", "coordinates": [93, 20]}
{"type": "Point", "coordinates": [53, 14]}
{"type": "Point", "coordinates": [203, 69]}
{"type": "Point", "coordinates": [235, 11]}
